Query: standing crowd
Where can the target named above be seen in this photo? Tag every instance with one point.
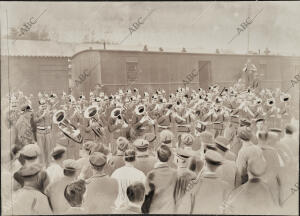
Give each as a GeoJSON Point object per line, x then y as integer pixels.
{"type": "Point", "coordinates": [217, 151]}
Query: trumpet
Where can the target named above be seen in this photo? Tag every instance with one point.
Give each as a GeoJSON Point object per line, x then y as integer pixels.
{"type": "Point", "coordinates": [97, 127]}
{"type": "Point", "coordinates": [66, 127]}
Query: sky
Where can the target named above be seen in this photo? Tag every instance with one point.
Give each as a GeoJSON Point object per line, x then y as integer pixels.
{"type": "Point", "coordinates": [204, 26]}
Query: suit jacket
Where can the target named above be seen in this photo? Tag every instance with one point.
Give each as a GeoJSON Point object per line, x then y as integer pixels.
{"type": "Point", "coordinates": [163, 178]}
{"type": "Point", "coordinates": [55, 192]}
{"type": "Point", "coordinates": [29, 201]}
{"type": "Point", "coordinates": [206, 197]}
{"type": "Point", "coordinates": [228, 173]}
{"type": "Point", "coordinates": [253, 197]}
{"type": "Point", "coordinates": [101, 194]}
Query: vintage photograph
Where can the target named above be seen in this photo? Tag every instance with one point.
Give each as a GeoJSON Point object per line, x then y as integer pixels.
{"type": "Point", "coordinates": [140, 107]}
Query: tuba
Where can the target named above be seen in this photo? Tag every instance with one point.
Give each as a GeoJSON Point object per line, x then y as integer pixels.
{"type": "Point", "coordinates": [66, 127]}
{"type": "Point", "coordinates": [97, 127]}
{"type": "Point", "coordinates": [285, 97]}
{"type": "Point", "coordinates": [270, 102]}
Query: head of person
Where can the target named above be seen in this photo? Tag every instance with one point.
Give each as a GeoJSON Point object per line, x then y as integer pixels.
{"type": "Point", "coordinates": [260, 124]}
{"type": "Point", "coordinates": [263, 137]}
{"type": "Point", "coordinates": [136, 193]}
{"type": "Point", "coordinates": [88, 146]}
{"type": "Point", "coordinates": [213, 160]}
{"type": "Point", "coordinates": [221, 144]}
{"type": "Point", "coordinates": [74, 193]}
{"type": "Point", "coordinates": [15, 152]}
{"type": "Point", "coordinates": [71, 168]}
{"type": "Point", "coordinates": [129, 156]}
{"type": "Point", "coordinates": [26, 110]}
{"type": "Point", "coordinates": [195, 164]}
{"type": "Point", "coordinates": [207, 139]}
{"type": "Point", "coordinates": [256, 167]}
{"type": "Point", "coordinates": [29, 154]}
{"type": "Point", "coordinates": [141, 145]}
{"type": "Point", "coordinates": [166, 137]}
{"type": "Point", "coordinates": [182, 158]}
{"type": "Point", "coordinates": [59, 154]}
{"type": "Point", "coordinates": [277, 131]}
{"type": "Point", "coordinates": [163, 153]}
{"type": "Point", "coordinates": [98, 161]}
{"type": "Point", "coordinates": [289, 130]}
{"type": "Point", "coordinates": [30, 175]}
{"type": "Point", "coordinates": [245, 134]}
{"type": "Point", "coordinates": [122, 144]}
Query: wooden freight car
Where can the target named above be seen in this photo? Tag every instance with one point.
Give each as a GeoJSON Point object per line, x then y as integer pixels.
{"type": "Point", "coordinates": [147, 70]}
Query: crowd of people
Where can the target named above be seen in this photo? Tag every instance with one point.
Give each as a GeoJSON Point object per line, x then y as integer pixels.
{"type": "Point", "coordinates": [216, 151]}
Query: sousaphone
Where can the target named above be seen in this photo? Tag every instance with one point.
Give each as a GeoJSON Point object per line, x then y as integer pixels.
{"type": "Point", "coordinates": [66, 127]}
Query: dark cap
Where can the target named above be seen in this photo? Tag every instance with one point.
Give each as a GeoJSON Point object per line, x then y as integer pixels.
{"type": "Point", "coordinates": [31, 170]}
{"type": "Point", "coordinates": [221, 143]}
{"type": "Point", "coordinates": [183, 153]}
{"type": "Point", "coordinates": [122, 143]}
{"type": "Point", "coordinates": [277, 130]}
{"type": "Point", "coordinates": [141, 143]}
{"type": "Point", "coordinates": [245, 122]}
{"type": "Point", "coordinates": [97, 159]}
{"type": "Point", "coordinates": [213, 157]}
{"type": "Point", "coordinates": [58, 150]}
{"type": "Point", "coordinates": [245, 134]}
{"type": "Point", "coordinates": [71, 164]}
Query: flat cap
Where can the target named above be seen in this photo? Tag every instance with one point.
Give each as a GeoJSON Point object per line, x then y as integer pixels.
{"type": "Point", "coordinates": [31, 170]}
{"type": "Point", "coordinates": [97, 159]}
{"type": "Point", "coordinates": [58, 150]}
{"type": "Point", "coordinates": [187, 139]}
{"type": "Point", "coordinates": [71, 164]}
{"type": "Point", "coordinates": [31, 150]}
{"type": "Point", "coordinates": [221, 143]}
{"type": "Point", "coordinates": [277, 130]}
{"type": "Point", "coordinates": [234, 119]}
{"type": "Point", "coordinates": [183, 153]}
{"type": "Point", "coordinates": [166, 136]}
{"type": "Point", "coordinates": [141, 143]}
{"type": "Point", "coordinates": [245, 122]}
{"type": "Point", "coordinates": [150, 137]}
{"type": "Point", "coordinates": [213, 157]}
{"type": "Point", "coordinates": [245, 134]}
{"type": "Point", "coordinates": [122, 143]}
{"type": "Point", "coordinates": [88, 145]}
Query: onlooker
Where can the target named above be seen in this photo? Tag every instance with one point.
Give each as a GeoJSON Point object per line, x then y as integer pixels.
{"type": "Point", "coordinates": [74, 194]}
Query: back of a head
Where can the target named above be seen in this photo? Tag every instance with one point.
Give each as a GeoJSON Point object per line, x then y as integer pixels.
{"type": "Point", "coordinates": [263, 136]}
{"type": "Point", "coordinates": [74, 193]}
{"type": "Point", "coordinates": [163, 153]}
{"type": "Point", "coordinates": [257, 166]}
{"type": "Point", "coordinates": [195, 164]}
{"type": "Point", "coordinates": [136, 192]}
{"type": "Point", "coordinates": [289, 129]}
{"type": "Point", "coordinates": [245, 134]}
{"type": "Point", "coordinates": [129, 155]}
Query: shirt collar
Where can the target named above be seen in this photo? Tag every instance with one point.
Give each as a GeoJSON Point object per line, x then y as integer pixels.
{"type": "Point", "coordinates": [208, 174]}
{"type": "Point", "coordinates": [161, 165]}
{"type": "Point", "coordinates": [98, 175]}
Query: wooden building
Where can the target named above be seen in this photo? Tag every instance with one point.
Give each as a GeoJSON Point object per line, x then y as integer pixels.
{"type": "Point", "coordinates": [148, 70]}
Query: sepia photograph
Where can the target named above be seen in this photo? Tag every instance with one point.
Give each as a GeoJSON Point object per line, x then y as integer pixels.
{"type": "Point", "coordinates": [140, 107]}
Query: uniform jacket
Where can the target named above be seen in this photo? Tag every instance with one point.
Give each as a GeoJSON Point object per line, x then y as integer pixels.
{"type": "Point", "coordinates": [25, 131]}
{"type": "Point", "coordinates": [101, 192]}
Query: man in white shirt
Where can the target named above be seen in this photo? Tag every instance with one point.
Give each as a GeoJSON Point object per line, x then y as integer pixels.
{"type": "Point", "coordinates": [127, 175]}
{"type": "Point", "coordinates": [55, 170]}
